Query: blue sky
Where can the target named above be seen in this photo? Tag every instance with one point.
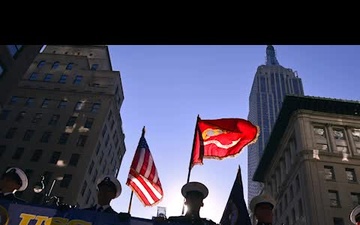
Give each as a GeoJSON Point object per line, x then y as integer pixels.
{"type": "Point", "coordinates": [166, 87]}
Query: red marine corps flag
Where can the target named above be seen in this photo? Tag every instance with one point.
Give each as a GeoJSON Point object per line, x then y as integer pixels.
{"type": "Point", "coordinates": [143, 178]}
{"type": "Point", "coordinates": [221, 138]}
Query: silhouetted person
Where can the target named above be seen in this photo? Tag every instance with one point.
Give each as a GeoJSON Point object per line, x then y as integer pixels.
{"type": "Point", "coordinates": [262, 208]}
{"type": "Point", "coordinates": [355, 215]}
{"type": "Point", "coordinates": [13, 180]}
{"type": "Point", "coordinates": [194, 194]}
{"type": "Point", "coordinates": [108, 188]}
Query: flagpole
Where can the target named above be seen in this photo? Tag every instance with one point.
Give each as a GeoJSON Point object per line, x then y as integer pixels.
{"type": "Point", "coordinates": [192, 151]}
{"type": "Point", "coordinates": [131, 197]}
{"type": "Point", "coordinates": [132, 192]}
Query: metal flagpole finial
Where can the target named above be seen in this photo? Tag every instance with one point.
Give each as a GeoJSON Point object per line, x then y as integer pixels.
{"type": "Point", "coordinates": [143, 131]}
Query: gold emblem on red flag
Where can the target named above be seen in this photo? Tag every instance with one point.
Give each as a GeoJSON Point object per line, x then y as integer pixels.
{"type": "Point", "coordinates": [208, 133]}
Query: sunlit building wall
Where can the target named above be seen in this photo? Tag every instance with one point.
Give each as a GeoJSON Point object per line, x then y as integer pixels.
{"type": "Point", "coordinates": [311, 164]}
{"type": "Point", "coordinates": [62, 122]}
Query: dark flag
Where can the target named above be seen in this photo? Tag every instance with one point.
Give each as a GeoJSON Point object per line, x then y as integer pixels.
{"type": "Point", "coordinates": [235, 212]}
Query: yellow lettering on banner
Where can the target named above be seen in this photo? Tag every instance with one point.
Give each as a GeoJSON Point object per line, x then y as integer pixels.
{"type": "Point", "coordinates": [41, 219]}
{"type": "Point", "coordinates": [25, 218]}
{"type": "Point", "coordinates": [79, 222]}
{"type": "Point", "coordinates": [57, 221]}
{"type": "Point", "coordinates": [44, 220]}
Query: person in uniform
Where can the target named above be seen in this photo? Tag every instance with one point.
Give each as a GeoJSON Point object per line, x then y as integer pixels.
{"type": "Point", "coordinates": [262, 208]}
{"type": "Point", "coordinates": [13, 180]}
{"type": "Point", "coordinates": [194, 194]}
{"type": "Point", "coordinates": [108, 188]}
{"type": "Point", "coordinates": [355, 215]}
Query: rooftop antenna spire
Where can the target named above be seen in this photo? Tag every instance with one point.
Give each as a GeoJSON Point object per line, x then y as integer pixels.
{"type": "Point", "coordinates": [271, 56]}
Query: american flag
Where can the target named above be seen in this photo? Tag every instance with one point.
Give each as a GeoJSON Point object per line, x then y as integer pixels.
{"type": "Point", "coordinates": [143, 178]}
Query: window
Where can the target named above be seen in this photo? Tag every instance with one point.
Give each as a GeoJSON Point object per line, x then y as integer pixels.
{"type": "Point", "coordinates": [45, 137]}
{"type": "Point", "coordinates": [293, 215]}
{"type": "Point", "coordinates": [112, 124]}
{"type": "Point", "coordinates": [62, 104]}
{"type": "Point", "coordinates": [74, 159]}
{"type": "Point", "coordinates": [95, 107]}
{"type": "Point", "coordinates": [63, 138]}
{"type": "Point", "coordinates": [63, 79]}
{"type": "Point", "coordinates": [55, 157]}
{"type": "Point", "coordinates": [54, 119]}
{"type": "Point", "coordinates": [20, 116]}
{"type": "Point", "coordinates": [28, 134]}
{"type": "Point", "coordinates": [37, 118]}
{"type": "Point", "coordinates": [355, 198]}
{"type": "Point", "coordinates": [11, 132]}
{"type": "Point", "coordinates": [79, 105]}
{"type": "Point", "coordinates": [356, 134]}
{"type": "Point", "coordinates": [29, 102]}
{"type": "Point", "coordinates": [297, 180]}
{"type": "Point", "coordinates": [338, 221]}
{"type": "Point", "coordinates": [83, 188]}
{"type": "Point", "coordinates": [82, 140]}
{"type": "Point", "coordinates": [13, 100]}
{"type": "Point", "coordinates": [4, 114]}
{"type": "Point", "coordinates": [95, 176]}
{"type": "Point", "coordinates": [37, 155]}
{"type": "Point", "coordinates": [320, 137]}
{"type": "Point", "coordinates": [91, 167]}
{"type": "Point", "coordinates": [48, 77]}
{"type": "Point", "coordinates": [69, 66]}
{"type": "Point", "coordinates": [55, 65]}
{"type": "Point", "coordinates": [329, 173]}
{"type": "Point", "coordinates": [78, 79]}
{"type": "Point", "coordinates": [2, 150]}
{"type": "Point", "coordinates": [301, 211]}
{"type": "Point", "coordinates": [350, 175]}
{"type": "Point", "coordinates": [88, 196]}
{"type": "Point", "coordinates": [101, 157]}
{"type": "Point", "coordinates": [104, 130]}
{"type": "Point", "coordinates": [45, 103]}
{"type": "Point", "coordinates": [71, 121]}
{"type": "Point", "coordinates": [65, 182]}
{"type": "Point", "coordinates": [94, 66]}
{"type": "Point", "coordinates": [18, 153]}
{"type": "Point", "coordinates": [2, 69]}
{"type": "Point", "coordinates": [41, 64]}
{"type": "Point", "coordinates": [98, 148]}
{"type": "Point", "coordinates": [33, 76]}
{"type": "Point", "coordinates": [107, 140]}
{"type": "Point", "coordinates": [334, 198]}
{"type": "Point", "coordinates": [110, 115]}
{"type": "Point", "coordinates": [339, 134]}
{"type": "Point", "coordinates": [14, 49]}
{"type": "Point", "coordinates": [89, 122]}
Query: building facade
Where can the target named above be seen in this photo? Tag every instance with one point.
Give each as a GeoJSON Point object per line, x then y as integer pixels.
{"type": "Point", "coordinates": [271, 83]}
{"type": "Point", "coordinates": [311, 164]}
{"type": "Point", "coordinates": [14, 61]}
{"type": "Point", "coordinates": [62, 121]}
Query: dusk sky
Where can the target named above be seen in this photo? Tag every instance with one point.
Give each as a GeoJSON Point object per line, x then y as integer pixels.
{"type": "Point", "coordinates": [166, 87]}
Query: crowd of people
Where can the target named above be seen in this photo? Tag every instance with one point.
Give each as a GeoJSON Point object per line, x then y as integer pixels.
{"type": "Point", "coordinates": [108, 188]}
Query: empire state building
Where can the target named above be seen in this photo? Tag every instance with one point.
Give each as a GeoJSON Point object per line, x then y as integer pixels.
{"type": "Point", "coordinates": [271, 83]}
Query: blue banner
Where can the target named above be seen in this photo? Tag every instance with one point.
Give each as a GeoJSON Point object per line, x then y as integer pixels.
{"type": "Point", "coordinates": [27, 214]}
